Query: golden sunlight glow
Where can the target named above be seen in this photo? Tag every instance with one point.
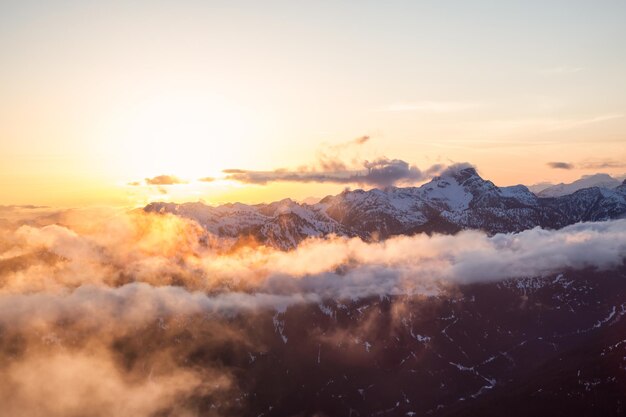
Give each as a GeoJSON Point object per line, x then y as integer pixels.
{"type": "Point", "coordinates": [94, 97]}
{"type": "Point", "coordinates": [185, 135]}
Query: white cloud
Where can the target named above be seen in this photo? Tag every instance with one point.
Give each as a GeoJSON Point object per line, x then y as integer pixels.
{"type": "Point", "coordinates": [163, 250]}
{"type": "Point", "coordinates": [113, 296]}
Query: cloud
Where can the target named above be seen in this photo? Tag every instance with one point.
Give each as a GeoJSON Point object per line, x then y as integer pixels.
{"type": "Point", "coordinates": [106, 313]}
{"type": "Point", "coordinates": [166, 250]}
{"type": "Point", "coordinates": [596, 164]}
{"type": "Point", "coordinates": [61, 384]}
{"type": "Point", "coordinates": [330, 166]}
{"type": "Point", "coordinates": [160, 181]}
{"type": "Point", "coordinates": [560, 165]}
{"type": "Point", "coordinates": [164, 180]}
{"type": "Point", "coordinates": [430, 106]}
{"type": "Point", "coordinates": [381, 172]}
{"type": "Point", "coordinates": [603, 164]}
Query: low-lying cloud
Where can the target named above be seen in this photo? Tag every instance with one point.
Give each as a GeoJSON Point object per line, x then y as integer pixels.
{"type": "Point", "coordinates": [123, 313]}
{"type": "Point", "coordinates": [115, 250]}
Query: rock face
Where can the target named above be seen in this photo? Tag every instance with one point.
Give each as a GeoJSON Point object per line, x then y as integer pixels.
{"type": "Point", "coordinates": [458, 199]}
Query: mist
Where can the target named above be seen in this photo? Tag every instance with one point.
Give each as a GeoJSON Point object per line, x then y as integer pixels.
{"type": "Point", "coordinates": [106, 312]}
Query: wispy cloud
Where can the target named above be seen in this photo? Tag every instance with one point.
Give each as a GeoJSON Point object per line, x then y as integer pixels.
{"type": "Point", "coordinates": [602, 164]}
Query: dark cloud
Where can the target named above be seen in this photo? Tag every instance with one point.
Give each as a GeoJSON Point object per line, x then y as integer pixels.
{"type": "Point", "coordinates": [384, 172]}
{"type": "Point", "coordinates": [265, 177]}
{"type": "Point", "coordinates": [334, 166]}
{"type": "Point", "coordinates": [164, 180]}
{"type": "Point", "coordinates": [560, 165]}
{"type": "Point", "coordinates": [381, 172]}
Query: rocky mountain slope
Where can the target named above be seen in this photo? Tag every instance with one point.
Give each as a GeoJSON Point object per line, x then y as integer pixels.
{"type": "Point", "coordinates": [535, 346]}
{"type": "Point", "coordinates": [458, 199]}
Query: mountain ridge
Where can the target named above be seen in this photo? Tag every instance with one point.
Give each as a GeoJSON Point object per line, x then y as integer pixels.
{"type": "Point", "coordinates": [587, 181]}
{"type": "Point", "coordinates": [456, 200]}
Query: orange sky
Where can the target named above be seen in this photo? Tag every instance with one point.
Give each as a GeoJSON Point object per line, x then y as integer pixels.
{"type": "Point", "coordinates": [95, 96]}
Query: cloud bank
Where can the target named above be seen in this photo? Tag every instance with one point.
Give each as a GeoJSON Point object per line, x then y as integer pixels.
{"type": "Point", "coordinates": [115, 250]}
{"type": "Point", "coordinates": [127, 313]}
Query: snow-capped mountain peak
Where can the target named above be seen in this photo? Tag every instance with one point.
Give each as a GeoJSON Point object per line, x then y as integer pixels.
{"type": "Point", "coordinates": [455, 200]}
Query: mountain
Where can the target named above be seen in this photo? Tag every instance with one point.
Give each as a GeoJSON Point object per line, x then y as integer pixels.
{"type": "Point", "coordinates": [540, 186]}
{"type": "Point", "coordinates": [546, 346]}
{"type": "Point", "coordinates": [588, 181]}
{"type": "Point", "coordinates": [457, 199]}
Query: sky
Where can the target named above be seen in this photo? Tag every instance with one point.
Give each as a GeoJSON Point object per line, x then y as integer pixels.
{"type": "Point", "coordinates": [120, 103]}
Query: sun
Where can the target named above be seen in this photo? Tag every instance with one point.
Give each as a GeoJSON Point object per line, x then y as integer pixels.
{"type": "Point", "coordinates": [184, 134]}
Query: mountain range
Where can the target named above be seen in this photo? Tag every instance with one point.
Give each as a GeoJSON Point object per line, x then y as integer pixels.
{"type": "Point", "coordinates": [587, 181]}
{"type": "Point", "coordinates": [458, 199]}
{"type": "Point", "coordinates": [551, 344]}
